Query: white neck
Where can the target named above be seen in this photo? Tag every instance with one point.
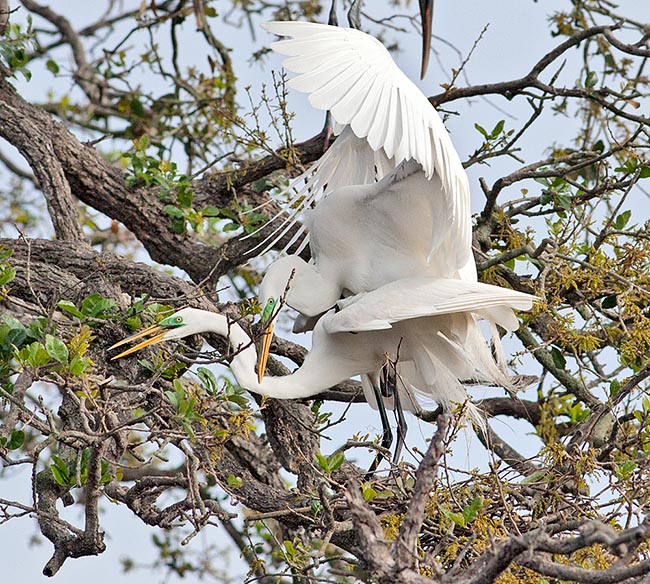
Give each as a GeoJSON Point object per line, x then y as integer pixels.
{"type": "Point", "coordinates": [310, 292]}
{"type": "Point", "coordinates": [310, 379]}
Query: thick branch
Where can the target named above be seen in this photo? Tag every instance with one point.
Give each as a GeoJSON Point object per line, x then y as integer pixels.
{"type": "Point", "coordinates": [37, 145]}
{"type": "Point", "coordinates": [404, 548]}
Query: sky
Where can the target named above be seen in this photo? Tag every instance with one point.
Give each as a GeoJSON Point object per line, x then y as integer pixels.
{"type": "Point", "coordinates": [516, 37]}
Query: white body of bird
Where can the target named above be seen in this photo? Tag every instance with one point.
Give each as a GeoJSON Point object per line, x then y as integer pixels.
{"type": "Point", "coordinates": [393, 197]}
{"type": "Point", "coordinates": [363, 234]}
{"type": "Point", "coordinates": [434, 344]}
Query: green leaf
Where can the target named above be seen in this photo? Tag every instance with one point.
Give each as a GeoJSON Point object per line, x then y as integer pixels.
{"type": "Point", "coordinates": [37, 355]}
{"type": "Point", "coordinates": [61, 472]}
{"type": "Point", "coordinates": [614, 387]}
{"type": "Point", "coordinates": [645, 172]}
{"type": "Point", "coordinates": [457, 518]}
{"type": "Point", "coordinates": [106, 478]}
{"type": "Point", "coordinates": [78, 365]}
{"type": "Point", "coordinates": [173, 398]}
{"type": "Point", "coordinates": [96, 306]}
{"type": "Point", "coordinates": [70, 307]}
{"type": "Point", "coordinates": [483, 131]}
{"type": "Point", "coordinates": [563, 202]}
{"type": "Point", "coordinates": [16, 440]}
{"type": "Point", "coordinates": [289, 547]}
{"type": "Point", "coordinates": [14, 323]}
{"type": "Point", "coordinates": [211, 211]}
{"type": "Point", "coordinates": [545, 198]}
{"type": "Point", "coordinates": [621, 221]}
{"type": "Point", "coordinates": [539, 476]}
{"type": "Point", "coordinates": [136, 108]}
{"type": "Point", "coordinates": [56, 349]}
{"type": "Point", "coordinates": [335, 461]}
{"type": "Point", "coordinates": [591, 79]}
{"type": "Point", "coordinates": [52, 66]}
{"type": "Point", "coordinates": [262, 184]}
{"type": "Point", "coordinates": [368, 492]}
{"type": "Point", "coordinates": [36, 328]}
{"type": "Point", "coordinates": [623, 470]}
{"type": "Point", "coordinates": [178, 225]}
{"type": "Point", "coordinates": [16, 337]}
{"type": "Point", "coordinates": [208, 380]}
{"type": "Point", "coordinates": [322, 462]}
{"type": "Point", "coordinates": [471, 511]}
{"type": "Point", "coordinates": [60, 477]}
{"type": "Point", "coordinates": [143, 142]}
{"type": "Point", "coordinates": [238, 400]}
{"type": "Point", "coordinates": [558, 358]}
{"type": "Point", "coordinates": [497, 129]}
{"type": "Point", "coordinates": [185, 197]}
{"type": "Point", "coordinates": [235, 482]}
{"type": "Point", "coordinates": [7, 274]}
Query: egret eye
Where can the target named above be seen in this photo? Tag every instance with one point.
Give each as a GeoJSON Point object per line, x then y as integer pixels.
{"type": "Point", "coordinates": [179, 319]}
{"type": "Point", "coordinates": [269, 307]}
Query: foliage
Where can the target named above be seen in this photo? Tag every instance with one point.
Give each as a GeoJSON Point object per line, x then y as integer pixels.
{"type": "Point", "coordinates": [133, 151]}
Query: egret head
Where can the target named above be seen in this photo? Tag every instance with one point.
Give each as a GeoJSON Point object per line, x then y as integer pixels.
{"type": "Point", "coordinates": [276, 288]}
{"type": "Point", "coordinates": [185, 322]}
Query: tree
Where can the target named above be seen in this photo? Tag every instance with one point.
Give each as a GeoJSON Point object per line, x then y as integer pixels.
{"type": "Point", "coordinates": [178, 171]}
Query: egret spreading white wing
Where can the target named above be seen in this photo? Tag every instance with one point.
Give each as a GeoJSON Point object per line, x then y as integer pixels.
{"type": "Point", "coordinates": [386, 120]}
{"type": "Point", "coordinates": [363, 234]}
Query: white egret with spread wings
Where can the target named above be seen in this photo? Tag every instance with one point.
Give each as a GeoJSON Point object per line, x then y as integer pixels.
{"type": "Point", "coordinates": [392, 195]}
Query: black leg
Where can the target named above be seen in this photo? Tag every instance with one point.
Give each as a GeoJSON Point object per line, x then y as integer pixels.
{"type": "Point", "coordinates": [389, 389]}
{"type": "Point", "coordinates": [402, 428]}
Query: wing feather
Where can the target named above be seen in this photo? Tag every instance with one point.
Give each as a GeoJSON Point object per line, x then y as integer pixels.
{"type": "Point", "coordinates": [352, 75]}
{"type": "Point", "coordinates": [377, 134]}
{"type": "Point", "coordinates": [372, 55]}
{"type": "Point", "coordinates": [420, 297]}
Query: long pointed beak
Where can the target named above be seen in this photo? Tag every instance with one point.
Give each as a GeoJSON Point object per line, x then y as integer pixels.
{"type": "Point", "coordinates": [267, 335]}
{"type": "Point", "coordinates": [158, 332]}
{"type": "Point", "coordinates": [143, 333]}
{"type": "Point", "coordinates": [426, 14]}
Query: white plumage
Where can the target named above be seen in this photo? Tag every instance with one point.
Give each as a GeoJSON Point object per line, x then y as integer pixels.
{"type": "Point", "coordinates": [385, 120]}
{"type": "Point", "coordinates": [387, 210]}
{"type": "Point", "coordinates": [435, 338]}
{"type": "Point", "coordinates": [392, 203]}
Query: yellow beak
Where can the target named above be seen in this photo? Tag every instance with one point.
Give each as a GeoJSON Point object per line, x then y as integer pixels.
{"type": "Point", "coordinates": [267, 335]}
{"type": "Point", "coordinates": [158, 332]}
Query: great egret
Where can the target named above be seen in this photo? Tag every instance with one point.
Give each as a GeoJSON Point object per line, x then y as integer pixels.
{"type": "Point", "coordinates": [363, 237]}
{"type": "Point", "coordinates": [363, 234]}
{"type": "Point", "coordinates": [435, 337]}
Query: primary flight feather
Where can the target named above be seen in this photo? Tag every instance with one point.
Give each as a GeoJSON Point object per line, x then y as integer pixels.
{"type": "Point", "coordinates": [383, 117]}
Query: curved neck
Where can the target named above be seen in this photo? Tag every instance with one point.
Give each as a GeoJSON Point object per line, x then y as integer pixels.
{"type": "Point", "coordinates": [310, 292]}
{"type": "Point", "coordinates": [304, 382]}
